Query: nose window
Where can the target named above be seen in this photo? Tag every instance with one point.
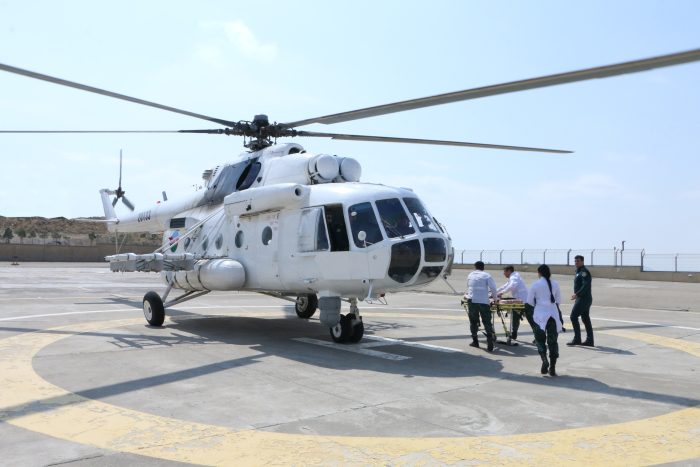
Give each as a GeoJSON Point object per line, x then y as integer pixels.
{"type": "Point", "coordinates": [435, 250]}
{"type": "Point", "coordinates": [405, 259]}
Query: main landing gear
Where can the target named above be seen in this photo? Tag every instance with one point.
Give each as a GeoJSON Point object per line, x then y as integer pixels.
{"type": "Point", "coordinates": [154, 305]}
{"type": "Point", "coordinates": [153, 309]}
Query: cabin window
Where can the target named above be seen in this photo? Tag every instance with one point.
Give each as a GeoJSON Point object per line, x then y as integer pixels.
{"type": "Point", "coordinates": [205, 245]}
{"type": "Point", "coordinates": [267, 235]}
{"type": "Point", "coordinates": [394, 219]}
{"type": "Point", "coordinates": [312, 234]}
{"type": "Point", "coordinates": [337, 230]}
{"type": "Point", "coordinates": [363, 219]}
{"type": "Point", "coordinates": [219, 241]}
{"type": "Point", "coordinates": [420, 214]}
{"type": "Point", "coordinates": [239, 239]}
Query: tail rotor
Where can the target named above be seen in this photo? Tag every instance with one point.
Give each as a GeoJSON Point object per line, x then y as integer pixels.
{"type": "Point", "coordinates": [119, 193]}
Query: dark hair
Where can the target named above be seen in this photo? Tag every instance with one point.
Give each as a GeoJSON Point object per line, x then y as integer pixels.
{"type": "Point", "coordinates": [544, 271]}
{"type": "Point", "coordinates": [479, 265]}
{"type": "Point", "coordinates": [509, 268]}
{"type": "Point", "coordinates": [578, 257]}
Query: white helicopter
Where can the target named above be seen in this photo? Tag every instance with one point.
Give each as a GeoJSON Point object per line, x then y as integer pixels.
{"type": "Point", "coordinates": [297, 225]}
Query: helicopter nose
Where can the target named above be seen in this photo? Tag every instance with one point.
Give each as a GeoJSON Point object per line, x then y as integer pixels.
{"type": "Point", "coordinates": [407, 258]}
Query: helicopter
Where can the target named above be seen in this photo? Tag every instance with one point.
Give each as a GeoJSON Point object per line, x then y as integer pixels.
{"type": "Point", "coordinates": [298, 225]}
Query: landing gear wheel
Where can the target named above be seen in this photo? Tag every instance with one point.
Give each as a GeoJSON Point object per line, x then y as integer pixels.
{"type": "Point", "coordinates": [358, 329]}
{"type": "Point", "coordinates": [342, 331]}
{"type": "Point", "coordinates": [306, 305]}
{"type": "Point", "coordinates": [153, 309]}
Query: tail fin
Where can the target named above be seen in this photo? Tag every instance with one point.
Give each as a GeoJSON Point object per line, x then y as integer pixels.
{"type": "Point", "coordinates": [110, 214]}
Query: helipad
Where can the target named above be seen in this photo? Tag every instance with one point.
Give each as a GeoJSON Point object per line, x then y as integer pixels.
{"type": "Point", "coordinates": [238, 379]}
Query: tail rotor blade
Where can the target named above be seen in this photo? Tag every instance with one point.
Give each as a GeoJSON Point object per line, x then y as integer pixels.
{"type": "Point", "coordinates": [127, 203]}
{"type": "Point", "coordinates": [114, 201]}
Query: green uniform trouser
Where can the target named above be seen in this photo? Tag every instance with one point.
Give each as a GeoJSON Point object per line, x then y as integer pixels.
{"type": "Point", "coordinates": [549, 334]}
{"type": "Point", "coordinates": [476, 310]}
{"type": "Point", "coordinates": [529, 311]}
{"type": "Point", "coordinates": [582, 308]}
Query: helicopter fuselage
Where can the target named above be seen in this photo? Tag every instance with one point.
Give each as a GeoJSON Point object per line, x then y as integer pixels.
{"type": "Point", "coordinates": [290, 222]}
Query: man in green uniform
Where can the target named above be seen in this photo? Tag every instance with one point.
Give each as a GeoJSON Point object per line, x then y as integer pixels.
{"type": "Point", "coordinates": [479, 284]}
{"type": "Point", "coordinates": [582, 305]}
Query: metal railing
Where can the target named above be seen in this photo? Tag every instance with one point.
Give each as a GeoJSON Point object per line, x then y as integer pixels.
{"type": "Point", "coordinates": [678, 262]}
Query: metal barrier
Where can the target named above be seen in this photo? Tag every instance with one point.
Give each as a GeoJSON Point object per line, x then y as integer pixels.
{"type": "Point", "coordinates": [679, 262]}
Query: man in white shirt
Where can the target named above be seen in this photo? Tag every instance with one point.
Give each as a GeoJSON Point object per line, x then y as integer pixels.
{"type": "Point", "coordinates": [479, 284]}
{"type": "Point", "coordinates": [518, 290]}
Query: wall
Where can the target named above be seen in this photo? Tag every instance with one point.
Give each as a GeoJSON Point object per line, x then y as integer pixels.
{"type": "Point", "coordinates": [64, 253]}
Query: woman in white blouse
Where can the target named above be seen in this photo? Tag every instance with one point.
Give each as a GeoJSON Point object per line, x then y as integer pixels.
{"type": "Point", "coordinates": [544, 296]}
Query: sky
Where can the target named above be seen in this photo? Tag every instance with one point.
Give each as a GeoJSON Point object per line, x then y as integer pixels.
{"type": "Point", "coordinates": [634, 175]}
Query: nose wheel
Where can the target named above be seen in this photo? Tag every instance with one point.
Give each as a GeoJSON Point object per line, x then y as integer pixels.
{"type": "Point", "coordinates": [306, 305]}
{"type": "Point", "coordinates": [349, 328]}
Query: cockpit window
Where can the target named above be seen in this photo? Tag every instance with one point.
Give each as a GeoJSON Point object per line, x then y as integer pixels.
{"type": "Point", "coordinates": [363, 219]}
{"type": "Point", "coordinates": [394, 219]}
{"type": "Point", "coordinates": [420, 214]}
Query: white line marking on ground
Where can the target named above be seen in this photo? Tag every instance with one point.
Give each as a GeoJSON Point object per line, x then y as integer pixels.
{"type": "Point", "coordinates": [360, 348]}
{"type": "Point", "coordinates": [390, 341]}
{"type": "Point", "coordinates": [646, 324]}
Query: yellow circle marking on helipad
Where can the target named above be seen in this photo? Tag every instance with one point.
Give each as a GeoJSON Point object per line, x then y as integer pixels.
{"type": "Point", "coordinates": [30, 402]}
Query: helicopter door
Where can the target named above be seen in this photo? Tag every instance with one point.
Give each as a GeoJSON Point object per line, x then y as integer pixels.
{"type": "Point", "coordinates": [262, 268]}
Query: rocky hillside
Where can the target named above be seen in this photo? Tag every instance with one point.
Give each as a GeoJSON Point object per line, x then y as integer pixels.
{"type": "Point", "coordinates": [62, 231]}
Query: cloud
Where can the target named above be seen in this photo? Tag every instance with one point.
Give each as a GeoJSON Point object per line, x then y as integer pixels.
{"type": "Point", "coordinates": [236, 34]}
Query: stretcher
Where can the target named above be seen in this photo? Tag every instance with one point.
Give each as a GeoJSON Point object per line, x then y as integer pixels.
{"type": "Point", "coordinates": [506, 308]}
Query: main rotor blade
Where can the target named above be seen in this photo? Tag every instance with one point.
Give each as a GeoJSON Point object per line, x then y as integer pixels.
{"type": "Point", "coordinates": [83, 87]}
{"type": "Point", "coordinates": [389, 139]}
{"type": "Point", "coordinates": [513, 86]}
{"type": "Point", "coordinates": [93, 131]}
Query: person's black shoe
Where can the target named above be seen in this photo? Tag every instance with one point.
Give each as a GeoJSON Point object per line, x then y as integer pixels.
{"type": "Point", "coordinates": [545, 363]}
{"type": "Point", "coordinates": [552, 369]}
{"type": "Point", "coordinates": [514, 336]}
{"type": "Point", "coordinates": [475, 343]}
{"type": "Point", "coordinates": [563, 329]}
{"type": "Point", "coordinates": [489, 343]}
{"type": "Point", "coordinates": [587, 343]}
{"type": "Point", "coordinates": [574, 342]}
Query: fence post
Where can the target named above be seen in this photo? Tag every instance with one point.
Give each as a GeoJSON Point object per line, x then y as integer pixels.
{"type": "Point", "coordinates": [675, 263]}
{"type": "Point", "coordinates": [500, 257]}
{"type": "Point", "coordinates": [463, 256]}
{"type": "Point", "coordinates": [641, 260]}
{"type": "Point", "coordinates": [615, 255]}
{"type": "Point", "coordinates": [568, 258]}
{"type": "Point", "coordinates": [592, 252]}
{"type": "Point", "coordinates": [522, 252]}
{"type": "Point", "coordinates": [481, 255]}
{"type": "Point", "coordinates": [622, 254]}
{"type": "Point", "coordinates": [544, 256]}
